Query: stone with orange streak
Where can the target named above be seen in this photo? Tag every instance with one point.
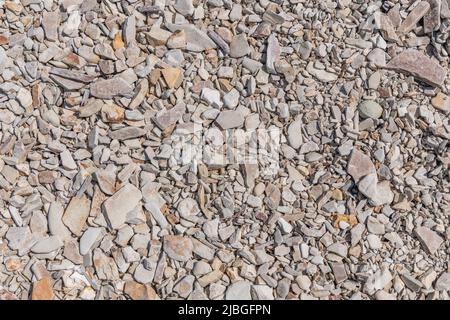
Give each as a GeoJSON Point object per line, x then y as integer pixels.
{"type": "Point", "coordinates": [43, 290]}
{"type": "Point", "coordinates": [178, 247]}
{"type": "Point", "coordinates": [138, 291]}
{"type": "Point", "coordinates": [112, 113]}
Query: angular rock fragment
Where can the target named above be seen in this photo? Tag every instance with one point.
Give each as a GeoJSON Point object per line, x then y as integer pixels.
{"type": "Point", "coordinates": [420, 66]}
{"type": "Point", "coordinates": [123, 201]}
{"type": "Point", "coordinates": [107, 89]}
{"type": "Point", "coordinates": [429, 239]}
{"type": "Point", "coordinates": [414, 16]}
{"type": "Point", "coordinates": [273, 53]}
{"type": "Point", "coordinates": [76, 214]}
{"type": "Point", "coordinates": [178, 247]}
{"type": "Point", "coordinates": [50, 23]}
{"type": "Point", "coordinates": [230, 119]}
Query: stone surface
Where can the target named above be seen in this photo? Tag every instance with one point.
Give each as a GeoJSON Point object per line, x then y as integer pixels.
{"type": "Point", "coordinates": [429, 239]}
{"type": "Point", "coordinates": [178, 247]}
{"type": "Point", "coordinates": [107, 89]}
{"type": "Point", "coordinates": [120, 204]}
{"type": "Point", "coordinates": [415, 63]}
{"type": "Point", "coordinates": [76, 214]}
{"type": "Point", "coordinates": [230, 119]}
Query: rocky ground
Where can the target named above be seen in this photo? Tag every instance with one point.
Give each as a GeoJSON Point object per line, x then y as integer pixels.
{"type": "Point", "coordinates": [114, 115]}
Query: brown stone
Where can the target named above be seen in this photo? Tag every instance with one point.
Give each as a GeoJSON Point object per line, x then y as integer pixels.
{"type": "Point", "coordinates": [3, 40]}
{"type": "Point", "coordinates": [441, 102]}
{"type": "Point", "coordinates": [177, 40]}
{"type": "Point", "coordinates": [420, 66]}
{"type": "Point", "coordinates": [47, 176]}
{"type": "Point", "coordinates": [172, 76]}
{"type": "Point", "coordinates": [112, 113]}
{"type": "Point", "coordinates": [118, 41]}
{"type": "Point", "coordinates": [138, 291]}
{"type": "Point", "coordinates": [43, 290]}
{"type": "Point", "coordinates": [158, 36]}
{"type": "Point", "coordinates": [76, 214]}
{"type": "Point", "coordinates": [359, 165]}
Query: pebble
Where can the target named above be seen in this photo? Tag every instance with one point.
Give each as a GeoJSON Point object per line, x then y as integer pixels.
{"type": "Point", "coordinates": [370, 109]}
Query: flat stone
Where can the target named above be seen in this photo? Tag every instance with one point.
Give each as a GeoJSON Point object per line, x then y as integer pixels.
{"type": "Point", "coordinates": [273, 53]}
{"type": "Point", "coordinates": [169, 117]}
{"type": "Point", "coordinates": [294, 132]}
{"type": "Point", "coordinates": [76, 214]}
{"type": "Point", "coordinates": [443, 282]}
{"type": "Point", "coordinates": [67, 161]}
{"type": "Point", "coordinates": [123, 201]}
{"type": "Point", "coordinates": [359, 165]}
{"type": "Point", "coordinates": [138, 291]}
{"type": "Point", "coordinates": [414, 16]}
{"type": "Point", "coordinates": [432, 19]}
{"type": "Point", "coordinates": [158, 36]}
{"type": "Point", "coordinates": [239, 46]}
{"type": "Point", "coordinates": [107, 89]}
{"type": "Point", "coordinates": [129, 30]}
{"type": "Point", "coordinates": [184, 7]}
{"type": "Point", "coordinates": [88, 239]}
{"type": "Point", "coordinates": [139, 96]}
{"type": "Point", "coordinates": [55, 224]}
{"type": "Point", "coordinates": [47, 245]}
{"type": "Point", "coordinates": [429, 239]}
{"type": "Point", "coordinates": [20, 238]}
{"type": "Point", "coordinates": [197, 40]}
{"type": "Point", "coordinates": [127, 133]}
{"type": "Point", "coordinates": [230, 119]}
{"type": "Point", "coordinates": [43, 290]}
{"type": "Point", "coordinates": [178, 247]}
{"type": "Point", "coordinates": [91, 107]}
{"type": "Point", "coordinates": [50, 22]}
{"type": "Point", "coordinates": [415, 63]}
{"type": "Point", "coordinates": [172, 76]}
{"type": "Point", "coordinates": [239, 290]}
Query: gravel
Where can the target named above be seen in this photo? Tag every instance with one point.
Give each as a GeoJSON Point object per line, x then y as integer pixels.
{"type": "Point", "coordinates": [224, 150]}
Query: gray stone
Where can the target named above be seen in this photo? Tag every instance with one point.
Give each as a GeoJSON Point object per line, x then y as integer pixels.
{"type": "Point", "coordinates": [239, 46]}
{"type": "Point", "coordinates": [123, 201]}
{"type": "Point", "coordinates": [429, 239]}
{"type": "Point", "coordinates": [107, 89]}
{"type": "Point", "coordinates": [230, 119]}
{"type": "Point", "coordinates": [239, 290]}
